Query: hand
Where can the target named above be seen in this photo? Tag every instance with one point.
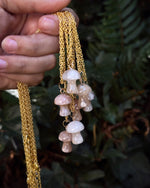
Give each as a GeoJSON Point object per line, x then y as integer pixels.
{"type": "Point", "coordinates": [28, 55]}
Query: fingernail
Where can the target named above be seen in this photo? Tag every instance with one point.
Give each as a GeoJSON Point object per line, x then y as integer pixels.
{"type": "Point", "coordinates": [11, 45]}
{"type": "Point", "coordinates": [3, 64]}
{"type": "Point", "coordinates": [51, 17]}
{"type": "Point", "coordinates": [48, 22]}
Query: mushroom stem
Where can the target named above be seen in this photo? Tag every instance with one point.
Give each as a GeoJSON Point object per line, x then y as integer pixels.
{"type": "Point", "coordinates": [72, 87]}
{"type": "Point", "coordinates": [88, 108]}
{"type": "Point", "coordinates": [83, 101]}
{"type": "Point", "coordinates": [77, 138]}
{"type": "Point", "coordinates": [77, 115]}
{"type": "Point", "coordinates": [66, 147]}
{"type": "Point", "coordinates": [64, 111]}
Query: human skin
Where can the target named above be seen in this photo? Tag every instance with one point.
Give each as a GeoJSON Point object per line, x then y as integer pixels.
{"type": "Point", "coordinates": [24, 54]}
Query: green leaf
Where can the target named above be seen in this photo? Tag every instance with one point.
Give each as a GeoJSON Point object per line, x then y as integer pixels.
{"type": "Point", "coordinates": [114, 154]}
{"type": "Point", "coordinates": [110, 113]}
{"type": "Point", "coordinates": [141, 163]}
{"type": "Point", "coordinates": [88, 185]}
{"type": "Point", "coordinates": [132, 28]}
{"type": "Point", "coordinates": [135, 33]}
{"type": "Point", "coordinates": [129, 9]}
{"type": "Point", "coordinates": [123, 4]}
{"type": "Point", "coordinates": [130, 19]}
{"type": "Point", "coordinates": [92, 175]}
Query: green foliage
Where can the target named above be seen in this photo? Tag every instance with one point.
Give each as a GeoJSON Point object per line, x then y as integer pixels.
{"type": "Point", "coordinates": [119, 54]}
{"type": "Point", "coordinates": [115, 41]}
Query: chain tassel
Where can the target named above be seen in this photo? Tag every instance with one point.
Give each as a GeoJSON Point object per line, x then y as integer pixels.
{"type": "Point", "coordinates": [75, 93]}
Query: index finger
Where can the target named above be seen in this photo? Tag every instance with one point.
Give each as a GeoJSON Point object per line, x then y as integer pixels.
{"type": "Point", "coordinates": [49, 24]}
{"type": "Point", "coordinates": [33, 6]}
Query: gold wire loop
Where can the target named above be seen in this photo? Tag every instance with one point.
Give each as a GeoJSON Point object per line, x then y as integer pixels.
{"type": "Point", "coordinates": [66, 121]}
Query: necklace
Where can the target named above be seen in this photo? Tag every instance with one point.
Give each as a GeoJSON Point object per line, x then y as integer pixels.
{"type": "Point", "coordinates": [75, 94]}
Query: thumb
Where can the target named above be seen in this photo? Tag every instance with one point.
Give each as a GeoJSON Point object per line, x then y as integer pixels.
{"type": "Point", "coordinates": [33, 6]}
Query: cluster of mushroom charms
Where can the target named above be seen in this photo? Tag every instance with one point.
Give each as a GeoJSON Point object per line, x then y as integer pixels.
{"type": "Point", "coordinates": [82, 100]}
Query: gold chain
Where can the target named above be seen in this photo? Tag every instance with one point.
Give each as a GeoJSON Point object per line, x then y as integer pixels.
{"type": "Point", "coordinates": [62, 56]}
{"type": "Point", "coordinates": [33, 169]}
{"type": "Point", "coordinates": [75, 37]}
{"type": "Point", "coordinates": [70, 48]}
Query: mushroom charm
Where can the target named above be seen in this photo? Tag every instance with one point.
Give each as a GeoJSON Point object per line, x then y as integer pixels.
{"type": "Point", "coordinates": [71, 76]}
{"type": "Point", "coordinates": [84, 92]}
{"type": "Point", "coordinates": [75, 127]}
{"type": "Point", "coordinates": [66, 138]}
{"type": "Point", "coordinates": [89, 106]}
{"type": "Point", "coordinates": [63, 100]}
{"type": "Point", "coordinates": [76, 114]}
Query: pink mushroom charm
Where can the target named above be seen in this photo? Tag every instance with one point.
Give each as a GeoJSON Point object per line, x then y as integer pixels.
{"type": "Point", "coordinates": [75, 127]}
{"type": "Point", "coordinates": [76, 116]}
{"type": "Point", "coordinates": [83, 92]}
{"type": "Point", "coordinates": [63, 100]}
{"type": "Point", "coordinates": [66, 138]}
{"type": "Point", "coordinates": [89, 106]}
{"type": "Point", "coordinates": [71, 76]}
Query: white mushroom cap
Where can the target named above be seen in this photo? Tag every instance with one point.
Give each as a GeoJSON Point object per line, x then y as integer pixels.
{"type": "Point", "coordinates": [84, 89]}
{"type": "Point", "coordinates": [74, 127]}
{"type": "Point", "coordinates": [62, 99]}
{"type": "Point", "coordinates": [64, 136]}
{"type": "Point", "coordinates": [71, 74]}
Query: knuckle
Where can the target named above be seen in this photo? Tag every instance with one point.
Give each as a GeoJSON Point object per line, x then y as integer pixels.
{"type": "Point", "coordinates": [33, 48]}
{"type": "Point", "coordinates": [28, 45]}
{"type": "Point", "coordinates": [21, 66]}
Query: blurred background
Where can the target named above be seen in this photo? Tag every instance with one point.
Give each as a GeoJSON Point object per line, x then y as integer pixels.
{"type": "Point", "coordinates": [115, 38]}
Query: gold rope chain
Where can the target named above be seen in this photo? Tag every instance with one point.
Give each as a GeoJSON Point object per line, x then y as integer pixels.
{"type": "Point", "coordinates": [33, 169]}
{"type": "Point", "coordinates": [70, 52]}
{"type": "Point", "coordinates": [70, 48]}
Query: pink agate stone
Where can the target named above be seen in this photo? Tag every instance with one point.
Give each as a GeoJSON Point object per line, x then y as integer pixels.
{"type": "Point", "coordinates": [76, 114]}
{"type": "Point", "coordinates": [75, 127]}
{"type": "Point", "coordinates": [63, 100]}
{"type": "Point", "coordinates": [71, 76]}
{"type": "Point", "coordinates": [66, 138]}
